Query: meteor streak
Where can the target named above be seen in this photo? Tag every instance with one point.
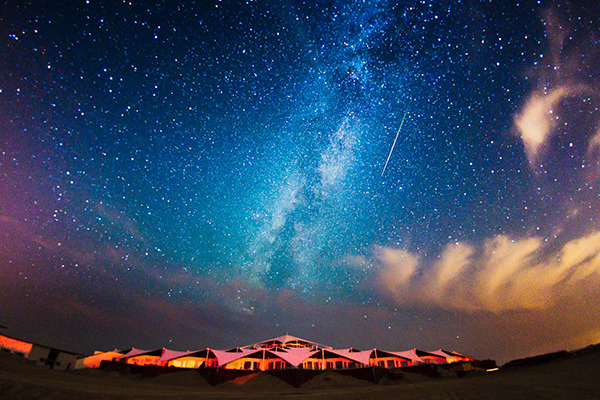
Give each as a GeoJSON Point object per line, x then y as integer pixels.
{"type": "Point", "coordinates": [394, 144]}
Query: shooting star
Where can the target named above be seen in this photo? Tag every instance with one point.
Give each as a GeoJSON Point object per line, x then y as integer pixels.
{"type": "Point", "coordinates": [393, 145]}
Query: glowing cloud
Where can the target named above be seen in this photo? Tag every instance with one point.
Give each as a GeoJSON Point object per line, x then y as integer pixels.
{"type": "Point", "coordinates": [594, 143]}
{"type": "Point", "coordinates": [501, 274]}
{"type": "Point", "coordinates": [399, 267]}
{"type": "Point", "coordinates": [537, 120]}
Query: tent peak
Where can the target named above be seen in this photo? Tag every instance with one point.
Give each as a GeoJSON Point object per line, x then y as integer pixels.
{"type": "Point", "coordinates": [287, 342]}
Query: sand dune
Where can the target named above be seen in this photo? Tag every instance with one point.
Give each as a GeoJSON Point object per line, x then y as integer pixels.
{"type": "Point", "coordinates": [572, 376]}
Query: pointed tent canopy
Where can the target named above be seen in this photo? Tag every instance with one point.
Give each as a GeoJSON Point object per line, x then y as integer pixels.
{"type": "Point", "coordinates": [294, 351]}
{"type": "Point", "coordinates": [452, 356]}
{"type": "Point", "coordinates": [291, 356]}
{"type": "Point", "coordinates": [376, 353]}
{"type": "Point", "coordinates": [225, 357]}
{"type": "Point", "coordinates": [94, 360]}
{"type": "Point", "coordinates": [295, 356]}
{"type": "Point", "coordinates": [124, 351]}
{"type": "Point", "coordinates": [323, 354]}
{"type": "Point", "coordinates": [137, 352]}
{"type": "Point", "coordinates": [234, 350]}
{"type": "Point", "coordinates": [362, 357]}
{"type": "Point", "coordinates": [205, 354]}
{"type": "Point", "coordinates": [456, 353]}
{"type": "Point", "coordinates": [134, 352]}
{"type": "Point", "coordinates": [287, 341]}
{"type": "Point", "coordinates": [201, 353]}
{"type": "Point", "coordinates": [169, 355]}
{"type": "Point", "coordinates": [417, 356]}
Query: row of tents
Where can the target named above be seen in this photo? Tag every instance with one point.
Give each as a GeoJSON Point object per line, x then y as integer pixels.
{"type": "Point", "coordinates": [284, 352]}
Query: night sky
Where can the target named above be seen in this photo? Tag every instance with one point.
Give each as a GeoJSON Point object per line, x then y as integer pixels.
{"type": "Point", "coordinates": [211, 174]}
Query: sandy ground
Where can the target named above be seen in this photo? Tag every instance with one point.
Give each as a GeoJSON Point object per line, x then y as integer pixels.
{"type": "Point", "coordinates": [576, 377]}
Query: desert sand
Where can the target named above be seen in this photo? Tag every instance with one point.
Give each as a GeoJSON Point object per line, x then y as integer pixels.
{"type": "Point", "coordinates": [576, 376]}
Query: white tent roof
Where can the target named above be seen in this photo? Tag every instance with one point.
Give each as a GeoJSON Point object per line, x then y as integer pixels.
{"type": "Point", "coordinates": [134, 352]}
{"type": "Point", "coordinates": [362, 357]}
{"type": "Point", "coordinates": [416, 354]}
{"type": "Point", "coordinates": [287, 339]}
{"type": "Point", "coordinates": [450, 354]}
{"type": "Point", "coordinates": [169, 355]}
{"type": "Point", "coordinates": [294, 350]}
{"type": "Point", "coordinates": [295, 356]}
{"type": "Point", "coordinates": [225, 357]}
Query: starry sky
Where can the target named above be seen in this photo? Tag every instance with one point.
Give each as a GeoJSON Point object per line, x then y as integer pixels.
{"type": "Point", "coordinates": [213, 173]}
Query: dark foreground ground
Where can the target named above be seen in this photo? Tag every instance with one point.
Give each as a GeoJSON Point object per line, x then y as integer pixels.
{"type": "Point", "coordinates": [572, 376]}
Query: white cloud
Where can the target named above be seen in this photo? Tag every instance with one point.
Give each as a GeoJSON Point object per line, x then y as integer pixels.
{"type": "Point", "coordinates": [536, 121]}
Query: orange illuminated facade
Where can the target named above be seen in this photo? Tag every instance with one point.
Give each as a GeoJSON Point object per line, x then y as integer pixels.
{"type": "Point", "coordinates": [186, 362]}
{"type": "Point", "coordinates": [96, 359]}
{"type": "Point", "coordinates": [45, 356]}
{"type": "Point", "coordinates": [15, 345]}
{"type": "Point", "coordinates": [387, 359]}
{"type": "Point", "coordinates": [145, 358]}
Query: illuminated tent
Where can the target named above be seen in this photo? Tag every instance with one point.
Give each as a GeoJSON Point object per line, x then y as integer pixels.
{"type": "Point", "coordinates": [168, 355]}
{"type": "Point", "coordinates": [333, 359]}
{"type": "Point", "coordinates": [141, 357]}
{"type": "Point", "coordinates": [287, 342]}
{"type": "Point", "coordinates": [225, 358]}
{"type": "Point", "coordinates": [192, 359]}
{"type": "Point", "coordinates": [362, 358]}
{"type": "Point", "coordinates": [421, 357]}
{"type": "Point", "coordinates": [132, 353]}
{"type": "Point", "coordinates": [285, 352]}
{"type": "Point", "coordinates": [388, 359]}
{"type": "Point", "coordinates": [452, 356]}
{"type": "Point", "coordinates": [296, 356]}
{"type": "Point", "coordinates": [95, 359]}
{"type": "Point", "coordinates": [207, 357]}
{"type": "Point", "coordinates": [259, 359]}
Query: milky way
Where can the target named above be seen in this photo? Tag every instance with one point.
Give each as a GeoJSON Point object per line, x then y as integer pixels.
{"type": "Point", "coordinates": [203, 174]}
